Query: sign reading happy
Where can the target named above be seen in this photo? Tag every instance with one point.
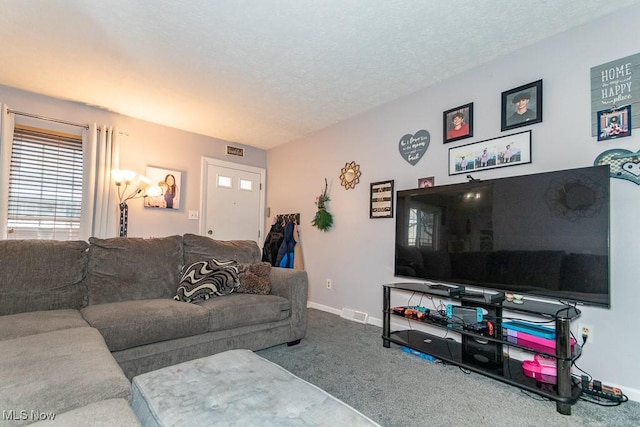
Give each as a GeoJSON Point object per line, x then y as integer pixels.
{"type": "Point", "coordinates": [413, 147]}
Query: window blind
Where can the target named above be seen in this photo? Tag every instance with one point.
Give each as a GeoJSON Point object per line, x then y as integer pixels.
{"type": "Point", "coordinates": [45, 185]}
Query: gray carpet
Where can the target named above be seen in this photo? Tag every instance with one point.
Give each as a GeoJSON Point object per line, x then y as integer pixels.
{"type": "Point", "coordinates": [395, 388]}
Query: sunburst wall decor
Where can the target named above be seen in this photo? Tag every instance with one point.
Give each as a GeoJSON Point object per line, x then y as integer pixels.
{"type": "Point", "coordinates": [350, 175]}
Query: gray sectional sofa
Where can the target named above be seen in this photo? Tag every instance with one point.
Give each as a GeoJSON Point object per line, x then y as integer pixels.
{"type": "Point", "coordinates": [79, 319]}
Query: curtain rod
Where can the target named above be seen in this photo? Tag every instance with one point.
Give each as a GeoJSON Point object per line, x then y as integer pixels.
{"type": "Point", "coordinates": [35, 116]}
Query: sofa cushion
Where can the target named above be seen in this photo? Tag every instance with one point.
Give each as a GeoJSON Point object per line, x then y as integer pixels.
{"type": "Point", "coordinates": [254, 278]}
{"type": "Point", "coordinates": [42, 275]}
{"type": "Point", "coordinates": [198, 248]}
{"type": "Point", "coordinates": [238, 310]}
{"type": "Point", "coordinates": [123, 269]}
{"type": "Point", "coordinates": [129, 324]}
{"type": "Point", "coordinates": [205, 279]}
{"type": "Point", "coordinates": [58, 371]}
{"type": "Point", "coordinates": [37, 322]}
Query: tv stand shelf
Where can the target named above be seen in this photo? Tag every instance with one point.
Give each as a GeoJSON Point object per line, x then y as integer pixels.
{"type": "Point", "coordinates": [483, 354]}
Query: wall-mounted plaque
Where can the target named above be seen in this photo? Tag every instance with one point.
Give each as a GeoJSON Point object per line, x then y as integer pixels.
{"type": "Point", "coordinates": [381, 200]}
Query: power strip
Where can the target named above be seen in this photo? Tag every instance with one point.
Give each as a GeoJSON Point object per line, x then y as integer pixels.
{"type": "Point", "coordinates": [595, 388]}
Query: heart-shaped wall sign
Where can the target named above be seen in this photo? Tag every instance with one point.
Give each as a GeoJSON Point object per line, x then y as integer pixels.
{"type": "Point", "coordinates": [623, 164]}
{"type": "Point", "coordinates": [413, 147]}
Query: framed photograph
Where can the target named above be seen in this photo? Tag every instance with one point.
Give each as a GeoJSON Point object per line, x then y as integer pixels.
{"type": "Point", "coordinates": [426, 182]}
{"type": "Point", "coordinates": [457, 123]}
{"type": "Point", "coordinates": [508, 150]}
{"type": "Point", "coordinates": [164, 190]}
{"type": "Point", "coordinates": [381, 200]}
{"type": "Point", "coordinates": [614, 123]}
{"type": "Point", "coordinates": [522, 106]}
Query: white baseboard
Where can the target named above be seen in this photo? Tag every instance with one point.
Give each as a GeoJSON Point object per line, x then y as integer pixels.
{"type": "Point", "coordinates": [324, 308]}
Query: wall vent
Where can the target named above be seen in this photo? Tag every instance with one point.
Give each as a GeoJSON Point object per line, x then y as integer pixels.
{"type": "Point", "coordinates": [355, 315]}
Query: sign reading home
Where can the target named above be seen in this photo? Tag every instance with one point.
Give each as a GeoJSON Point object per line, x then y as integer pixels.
{"type": "Point", "coordinates": [613, 85]}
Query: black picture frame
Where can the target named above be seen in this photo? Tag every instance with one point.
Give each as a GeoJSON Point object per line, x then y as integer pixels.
{"type": "Point", "coordinates": [449, 134]}
{"type": "Point", "coordinates": [614, 123]}
{"type": "Point", "coordinates": [381, 202]}
{"type": "Point", "coordinates": [498, 152]}
{"type": "Point", "coordinates": [531, 94]}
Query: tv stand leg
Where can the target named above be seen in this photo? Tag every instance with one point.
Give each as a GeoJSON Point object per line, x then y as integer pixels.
{"type": "Point", "coordinates": [386, 316]}
{"type": "Point", "coordinates": [563, 363]}
{"type": "Point", "coordinates": [563, 408]}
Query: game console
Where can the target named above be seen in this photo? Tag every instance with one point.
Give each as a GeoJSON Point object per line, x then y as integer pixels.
{"type": "Point", "coordinates": [484, 297]}
{"type": "Point", "coordinates": [464, 315]}
{"type": "Point", "coordinates": [445, 290]}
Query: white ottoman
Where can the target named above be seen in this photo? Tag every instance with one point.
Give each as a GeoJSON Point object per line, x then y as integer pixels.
{"type": "Point", "coordinates": [236, 387]}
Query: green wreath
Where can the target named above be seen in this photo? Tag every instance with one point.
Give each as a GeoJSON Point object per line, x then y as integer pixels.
{"type": "Point", "coordinates": [323, 219]}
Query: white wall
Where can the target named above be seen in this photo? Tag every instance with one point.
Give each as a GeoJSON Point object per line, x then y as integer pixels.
{"type": "Point", "coordinates": [142, 144]}
{"type": "Point", "coordinates": [357, 254]}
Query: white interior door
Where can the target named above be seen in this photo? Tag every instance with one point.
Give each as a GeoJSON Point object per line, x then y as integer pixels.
{"type": "Point", "coordinates": [233, 201]}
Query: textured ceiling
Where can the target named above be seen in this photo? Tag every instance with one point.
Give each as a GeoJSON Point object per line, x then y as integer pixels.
{"type": "Point", "coordinates": [262, 72]}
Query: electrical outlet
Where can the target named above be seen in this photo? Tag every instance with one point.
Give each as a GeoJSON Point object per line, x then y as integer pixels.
{"type": "Point", "coordinates": [585, 329]}
{"type": "Point", "coordinates": [329, 284]}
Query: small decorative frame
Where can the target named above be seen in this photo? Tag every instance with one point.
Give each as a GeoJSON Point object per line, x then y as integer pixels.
{"type": "Point", "coordinates": [508, 150]}
{"type": "Point", "coordinates": [381, 205]}
{"type": "Point", "coordinates": [234, 151]}
{"type": "Point", "coordinates": [460, 117]}
{"type": "Point", "coordinates": [426, 182]}
{"type": "Point", "coordinates": [522, 106]}
{"type": "Point", "coordinates": [615, 123]}
{"type": "Point", "coordinates": [168, 193]}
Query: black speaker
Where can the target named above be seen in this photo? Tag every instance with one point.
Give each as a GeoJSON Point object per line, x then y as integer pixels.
{"type": "Point", "coordinates": [480, 352]}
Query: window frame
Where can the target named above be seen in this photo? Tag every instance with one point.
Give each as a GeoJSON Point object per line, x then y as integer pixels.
{"type": "Point", "coordinates": [45, 185]}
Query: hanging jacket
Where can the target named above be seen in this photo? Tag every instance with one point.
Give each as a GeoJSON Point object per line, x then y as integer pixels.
{"type": "Point", "coordinates": [272, 243]}
{"type": "Point", "coordinates": [285, 253]}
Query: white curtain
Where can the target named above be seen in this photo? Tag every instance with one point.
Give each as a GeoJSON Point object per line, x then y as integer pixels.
{"type": "Point", "coordinates": [7, 122]}
{"type": "Point", "coordinates": [101, 151]}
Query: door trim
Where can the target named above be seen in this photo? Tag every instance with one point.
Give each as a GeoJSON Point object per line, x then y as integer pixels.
{"type": "Point", "coordinates": [206, 162]}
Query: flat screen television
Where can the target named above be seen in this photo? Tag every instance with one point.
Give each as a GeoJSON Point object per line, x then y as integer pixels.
{"type": "Point", "coordinates": [544, 234]}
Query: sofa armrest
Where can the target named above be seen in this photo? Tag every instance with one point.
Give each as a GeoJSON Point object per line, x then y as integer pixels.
{"type": "Point", "coordinates": [293, 285]}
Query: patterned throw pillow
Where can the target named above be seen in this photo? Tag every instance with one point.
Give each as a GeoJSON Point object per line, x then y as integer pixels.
{"type": "Point", "coordinates": [254, 278]}
{"type": "Point", "coordinates": [204, 279]}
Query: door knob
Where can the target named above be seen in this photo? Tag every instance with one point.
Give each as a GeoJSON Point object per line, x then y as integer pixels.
{"type": "Point", "coordinates": [210, 232]}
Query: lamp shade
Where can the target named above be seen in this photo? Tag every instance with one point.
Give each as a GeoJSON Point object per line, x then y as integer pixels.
{"type": "Point", "coordinates": [123, 175]}
{"type": "Point", "coordinates": [143, 182]}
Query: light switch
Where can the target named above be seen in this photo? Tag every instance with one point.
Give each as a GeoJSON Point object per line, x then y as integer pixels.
{"type": "Point", "coordinates": [193, 214]}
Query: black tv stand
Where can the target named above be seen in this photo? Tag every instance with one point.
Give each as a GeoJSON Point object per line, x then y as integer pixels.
{"type": "Point", "coordinates": [484, 354]}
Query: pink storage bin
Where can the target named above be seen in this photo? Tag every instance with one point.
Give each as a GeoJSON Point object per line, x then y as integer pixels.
{"type": "Point", "coordinates": [541, 368]}
{"type": "Point", "coordinates": [550, 344]}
